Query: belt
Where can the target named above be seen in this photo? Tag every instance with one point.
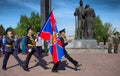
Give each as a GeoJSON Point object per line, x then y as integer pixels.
{"type": "Point", "coordinates": [31, 45]}
{"type": "Point", "coordinates": [8, 45]}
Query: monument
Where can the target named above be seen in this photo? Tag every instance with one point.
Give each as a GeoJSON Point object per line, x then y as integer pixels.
{"type": "Point", "coordinates": [84, 40]}
{"type": "Point", "coordinates": [84, 21]}
{"type": "Point", "coordinates": [84, 27]}
{"type": "Point", "coordinates": [79, 21]}
{"type": "Point", "coordinates": [89, 17]}
{"type": "Point", "coordinates": [45, 10]}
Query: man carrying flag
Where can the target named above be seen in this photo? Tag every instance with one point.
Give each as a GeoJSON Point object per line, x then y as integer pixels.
{"type": "Point", "coordinates": [49, 34]}
{"type": "Point", "coordinates": [64, 43]}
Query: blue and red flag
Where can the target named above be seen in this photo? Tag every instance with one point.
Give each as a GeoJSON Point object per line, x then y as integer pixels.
{"type": "Point", "coordinates": [49, 34]}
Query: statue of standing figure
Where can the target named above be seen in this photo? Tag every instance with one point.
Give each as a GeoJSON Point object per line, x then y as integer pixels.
{"type": "Point", "coordinates": [79, 21]}
{"type": "Point", "coordinates": [89, 18]}
{"type": "Point", "coordinates": [84, 22]}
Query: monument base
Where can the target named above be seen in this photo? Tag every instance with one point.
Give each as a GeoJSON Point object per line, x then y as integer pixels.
{"type": "Point", "coordinates": [73, 50]}
{"type": "Point", "coordinates": [84, 45]}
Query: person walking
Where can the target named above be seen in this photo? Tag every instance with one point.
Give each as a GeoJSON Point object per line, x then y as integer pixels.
{"type": "Point", "coordinates": [30, 46]}
{"type": "Point", "coordinates": [110, 43]}
{"type": "Point", "coordinates": [116, 42]}
{"type": "Point", "coordinates": [23, 45]}
{"type": "Point", "coordinates": [64, 43]}
{"type": "Point", "coordinates": [10, 48]}
{"type": "Point", "coordinates": [39, 44]}
{"type": "Point", "coordinates": [3, 44]}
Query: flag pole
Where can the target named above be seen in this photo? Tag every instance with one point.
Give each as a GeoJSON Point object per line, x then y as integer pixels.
{"type": "Point", "coordinates": [52, 9]}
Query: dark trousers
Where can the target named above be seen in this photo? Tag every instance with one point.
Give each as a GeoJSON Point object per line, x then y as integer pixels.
{"type": "Point", "coordinates": [6, 57]}
{"type": "Point", "coordinates": [74, 62]}
{"type": "Point", "coordinates": [34, 52]}
{"type": "Point", "coordinates": [38, 53]}
{"type": "Point", "coordinates": [109, 47]}
{"type": "Point", "coordinates": [29, 55]}
{"type": "Point", "coordinates": [116, 48]}
{"type": "Point", "coordinates": [104, 42]}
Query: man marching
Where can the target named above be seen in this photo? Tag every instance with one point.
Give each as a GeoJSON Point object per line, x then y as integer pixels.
{"type": "Point", "coordinates": [64, 43]}
{"type": "Point", "coordinates": [30, 46]}
{"type": "Point", "coordinates": [10, 49]}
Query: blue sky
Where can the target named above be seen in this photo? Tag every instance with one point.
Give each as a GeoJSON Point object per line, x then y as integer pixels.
{"type": "Point", "coordinates": [11, 10]}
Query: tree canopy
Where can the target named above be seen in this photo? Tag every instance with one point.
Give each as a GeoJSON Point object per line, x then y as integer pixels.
{"type": "Point", "coordinates": [102, 30]}
{"type": "Point", "coordinates": [98, 29]}
{"type": "Point", "coordinates": [33, 21]}
{"type": "Point", "coordinates": [2, 30]}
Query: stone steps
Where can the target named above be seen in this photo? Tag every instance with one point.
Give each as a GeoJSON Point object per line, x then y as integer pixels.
{"type": "Point", "coordinates": [83, 46]}
{"type": "Point", "coordinates": [72, 50]}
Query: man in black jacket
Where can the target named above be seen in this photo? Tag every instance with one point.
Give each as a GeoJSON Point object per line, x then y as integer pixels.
{"type": "Point", "coordinates": [10, 49]}
{"type": "Point", "coordinates": [64, 43]}
{"type": "Point", "coordinates": [30, 46]}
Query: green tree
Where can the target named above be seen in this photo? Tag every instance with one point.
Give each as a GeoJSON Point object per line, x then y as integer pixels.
{"type": "Point", "coordinates": [2, 30]}
{"type": "Point", "coordinates": [22, 25]}
{"type": "Point", "coordinates": [33, 21]}
{"type": "Point", "coordinates": [108, 27]}
{"type": "Point", "coordinates": [98, 29]}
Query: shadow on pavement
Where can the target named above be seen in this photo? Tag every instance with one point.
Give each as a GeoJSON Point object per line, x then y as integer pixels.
{"type": "Point", "coordinates": [63, 65]}
{"type": "Point", "coordinates": [41, 63]}
{"type": "Point", "coordinates": [13, 66]}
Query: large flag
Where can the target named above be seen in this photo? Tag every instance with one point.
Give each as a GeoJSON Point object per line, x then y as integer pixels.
{"type": "Point", "coordinates": [49, 33]}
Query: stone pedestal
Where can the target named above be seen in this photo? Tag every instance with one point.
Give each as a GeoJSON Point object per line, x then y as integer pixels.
{"type": "Point", "coordinates": [85, 44]}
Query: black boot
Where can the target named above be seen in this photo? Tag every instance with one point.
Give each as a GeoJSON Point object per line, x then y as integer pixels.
{"type": "Point", "coordinates": [76, 66]}
{"type": "Point", "coordinates": [54, 70]}
{"type": "Point", "coordinates": [25, 68]}
{"type": "Point", "coordinates": [4, 68]}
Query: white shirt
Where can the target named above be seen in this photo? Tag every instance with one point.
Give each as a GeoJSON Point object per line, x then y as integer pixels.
{"type": "Point", "coordinates": [39, 42]}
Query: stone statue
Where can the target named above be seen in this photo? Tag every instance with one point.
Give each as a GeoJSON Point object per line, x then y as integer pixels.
{"type": "Point", "coordinates": [89, 16]}
{"type": "Point", "coordinates": [79, 20]}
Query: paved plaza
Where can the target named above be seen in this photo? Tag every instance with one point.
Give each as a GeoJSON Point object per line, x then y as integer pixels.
{"type": "Point", "coordinates": [94, 64]}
